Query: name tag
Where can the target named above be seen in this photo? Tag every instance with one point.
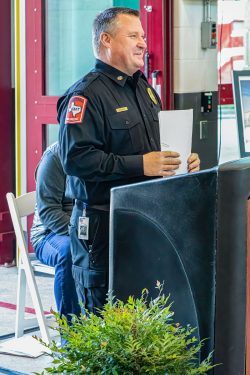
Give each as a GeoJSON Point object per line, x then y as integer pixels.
{"type": "Point", "coordinates": [122, 109]}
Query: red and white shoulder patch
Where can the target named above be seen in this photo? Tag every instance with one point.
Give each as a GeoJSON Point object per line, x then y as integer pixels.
{"type": "Point", "coordinates": [76, 109]}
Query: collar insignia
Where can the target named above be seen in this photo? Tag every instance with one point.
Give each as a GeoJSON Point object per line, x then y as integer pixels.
{"type": "Point", "coordinates": [119, 78]}
{"type": "Point", "coordinates": [151, 95]}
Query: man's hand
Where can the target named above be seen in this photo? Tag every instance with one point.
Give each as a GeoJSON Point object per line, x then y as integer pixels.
{"type": "Point", "coordinates": [193, 163]}
{"type": "Point", "coordinates": [161, 163]}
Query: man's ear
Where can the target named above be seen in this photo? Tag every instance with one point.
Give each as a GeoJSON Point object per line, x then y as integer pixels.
{"type": "Point", "coordinates": [105, 39]}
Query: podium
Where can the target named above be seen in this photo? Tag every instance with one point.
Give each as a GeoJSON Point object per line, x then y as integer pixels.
{"type": "Point", "coordinates": [165, 230]}
{"type": "Point", "coordinates": [192, 233]}
{"type": "Point", "coordinates": [232, 323]}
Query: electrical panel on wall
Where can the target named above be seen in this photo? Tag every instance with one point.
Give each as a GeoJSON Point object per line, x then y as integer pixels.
{"type": "Point", "coordinates": [206, 102]}
{"type": "Point", "coordinates": [208, 34]}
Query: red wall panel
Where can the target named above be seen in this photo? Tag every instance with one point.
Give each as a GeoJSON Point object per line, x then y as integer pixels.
{"type": "Point", "coordinates": [7, 155]}
{"type": "Point", "coordinates": [40, 109]}
{"type": "Point", "coordinates": [158, 27]}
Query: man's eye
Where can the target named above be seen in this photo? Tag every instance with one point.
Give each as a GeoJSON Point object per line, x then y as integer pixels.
{"type": "Point", "coordinates": [133, 36]}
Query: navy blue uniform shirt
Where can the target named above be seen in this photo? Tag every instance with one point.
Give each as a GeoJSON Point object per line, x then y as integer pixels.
{"type": "Point", "coordinates": [108, 120]}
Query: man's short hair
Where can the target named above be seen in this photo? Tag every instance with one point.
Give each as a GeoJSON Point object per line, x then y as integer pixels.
{"type": "Point", "coordinates": [105, 22]}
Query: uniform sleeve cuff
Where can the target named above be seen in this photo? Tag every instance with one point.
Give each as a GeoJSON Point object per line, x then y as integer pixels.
{"type": "Point", "coordinates": [134, 165]}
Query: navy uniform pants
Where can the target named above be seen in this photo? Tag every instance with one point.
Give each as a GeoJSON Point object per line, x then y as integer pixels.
{"type": "Point", "coordinates": [90, 257]}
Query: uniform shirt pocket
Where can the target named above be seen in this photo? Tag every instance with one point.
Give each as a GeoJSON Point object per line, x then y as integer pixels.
{"type": "Point", "coordinates": [154, 113]}
{"type": "Point", "coordinates": [126, 133]}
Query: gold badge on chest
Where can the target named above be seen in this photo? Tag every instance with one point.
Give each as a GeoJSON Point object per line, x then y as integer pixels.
{"type": "Point", "coordinates": [151, 95]}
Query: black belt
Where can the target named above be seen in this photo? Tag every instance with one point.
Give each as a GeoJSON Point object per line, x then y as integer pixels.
{"type": "Point", "coordinates": [101, 207]}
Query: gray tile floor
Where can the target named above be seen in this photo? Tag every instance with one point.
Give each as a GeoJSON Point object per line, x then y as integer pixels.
{"type": "Point", "coordinates": [10, 364]}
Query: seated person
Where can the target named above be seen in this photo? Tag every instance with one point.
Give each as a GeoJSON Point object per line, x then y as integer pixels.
{"type": "Point", "coordinates": [49, 232]}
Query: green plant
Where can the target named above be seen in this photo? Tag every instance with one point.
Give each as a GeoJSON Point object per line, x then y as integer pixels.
{"type": "Point", "coordinates": [136, 337]}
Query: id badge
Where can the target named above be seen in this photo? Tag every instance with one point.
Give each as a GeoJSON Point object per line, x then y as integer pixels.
{"type": "Point", "coordinates": [83, 228]}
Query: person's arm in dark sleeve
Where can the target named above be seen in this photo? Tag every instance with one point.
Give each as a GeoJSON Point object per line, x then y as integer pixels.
{"type": "Point", "coordinates": [83, 149]}
{"type": "Point", "coordinates": [50, 185]}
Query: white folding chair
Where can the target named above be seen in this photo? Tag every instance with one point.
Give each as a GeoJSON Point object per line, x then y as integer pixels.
{"type": "Point", "coordinates": [21, 207]}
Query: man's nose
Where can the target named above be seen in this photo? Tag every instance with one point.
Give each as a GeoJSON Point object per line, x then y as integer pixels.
{"type": "Point", "coordinates": [142, 42]}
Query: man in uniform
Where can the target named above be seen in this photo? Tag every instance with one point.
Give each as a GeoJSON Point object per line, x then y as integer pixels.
{"type": "Point", "coordinates": [109, 136]}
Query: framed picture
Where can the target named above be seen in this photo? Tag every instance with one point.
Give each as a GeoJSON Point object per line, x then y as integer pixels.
{"type": "Point", "coordinates": [241, 87]}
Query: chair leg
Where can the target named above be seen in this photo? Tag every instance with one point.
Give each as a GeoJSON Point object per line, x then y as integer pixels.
{"type": "Point", "coordinates": [21, 297]}
{"type": "Point", "coordinates": [26, 277]}
{"type": "Point", "coordinates": [32, 285]}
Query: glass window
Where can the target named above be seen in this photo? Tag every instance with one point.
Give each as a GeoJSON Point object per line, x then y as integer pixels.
{"type": "Point", "coordinates": [68, 45]}
{"type": "Point", "coordinates": [68, 40]}
{"type": "Point", "coordinates": [50, 134]}
{"type": "Point", "coordinates": [135, 4]}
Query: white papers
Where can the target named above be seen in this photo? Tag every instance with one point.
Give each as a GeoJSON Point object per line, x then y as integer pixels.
{"type": "Point", "coordinates": [25, 346]}
{"type": "Point", "coordinates": [176, 134]}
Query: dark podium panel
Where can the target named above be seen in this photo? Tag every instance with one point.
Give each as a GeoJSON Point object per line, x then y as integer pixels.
{"type": "Point", "coordinates": [232, 276]}
{"type": "Point", "coordinates": [165, 229]}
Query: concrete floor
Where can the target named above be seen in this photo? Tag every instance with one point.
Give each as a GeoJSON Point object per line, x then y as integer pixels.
{"type": "Point", "coordinates": [16, 365]}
